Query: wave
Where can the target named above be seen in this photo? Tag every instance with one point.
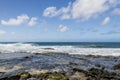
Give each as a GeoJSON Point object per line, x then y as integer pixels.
{"type": "Point", "coordinates": [34, 48]}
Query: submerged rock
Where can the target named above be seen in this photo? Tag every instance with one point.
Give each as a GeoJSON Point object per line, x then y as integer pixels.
{"type": "Point", "coordinates": [48, 48]}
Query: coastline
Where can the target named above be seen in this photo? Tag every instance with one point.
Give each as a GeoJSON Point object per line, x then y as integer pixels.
{"type": "Point", "coordinates": [60, 66]}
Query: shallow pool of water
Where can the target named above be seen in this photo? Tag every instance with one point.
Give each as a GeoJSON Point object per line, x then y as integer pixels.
{"type": "Point", "coordinates": [13, 55]}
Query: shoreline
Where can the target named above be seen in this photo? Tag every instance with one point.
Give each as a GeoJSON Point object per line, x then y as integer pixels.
{"type": "Point", "coordinates": [59, 65]}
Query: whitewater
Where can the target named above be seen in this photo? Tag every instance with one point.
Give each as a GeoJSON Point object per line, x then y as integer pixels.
{"type": "Point", "coordinates": [31, 48]}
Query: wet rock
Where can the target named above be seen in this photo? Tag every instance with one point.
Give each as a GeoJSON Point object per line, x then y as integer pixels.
{"type": "Point", "coordinates": [37, 72]}
{"type": "Point", "coordinates": [101, 74]}
{"type": "Point", "coordinates": [24, 76]}
{"type": "Point", "coordinates": [97, 65]}
{"type": "Point", "coordinates": [71, 63]}
{"type": "Point", "coordinates": [94, 56]}
{"type": "Point", "coordinates": [48, 48]}
{"type": "Point", "coordinates": [78, 76]}
{"type": "Point", "coordinates": [44, 54]}
{"type": "Point", "coordinates": [1, 73]}
{"type": "Point", "coordinates": [43, 66]}
{"type": "Point", "coordinates": [47, 54]}
{"type": "Point", "coordinates": [32, 79]}
{"type": "Point", "coordinates": [79, 70]}
{"type": "Point", "coordinates": [11, 78]}
{"type": "Point", "coordinates": [53, 76]}
{"type": "Point", "coordinates": [116, 67]}
{"type": "Point", "coordinates": [27, 57]}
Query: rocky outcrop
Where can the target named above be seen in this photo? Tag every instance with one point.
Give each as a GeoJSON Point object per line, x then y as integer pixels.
{"type": "Point", "coordinates": [60, 66]}
{"type": "Point", "coordinates": [116, 67]}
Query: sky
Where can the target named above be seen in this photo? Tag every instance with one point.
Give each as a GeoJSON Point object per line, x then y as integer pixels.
{"type": "Point", "coordinates": [59, 20]}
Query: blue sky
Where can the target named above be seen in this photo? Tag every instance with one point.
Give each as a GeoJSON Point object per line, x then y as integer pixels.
{"type": "Point", "coordinates": [60, 20]}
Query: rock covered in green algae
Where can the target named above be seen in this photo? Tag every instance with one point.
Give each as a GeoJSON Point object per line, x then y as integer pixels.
{"type": "Point", "coordinates": [77, 74]}
{"type": "Point", "coordinates": [53, 76]}
{"type": "Point", "coordinates": [24, 76]}
{"type": "Point", "coordinates": [42, 76]}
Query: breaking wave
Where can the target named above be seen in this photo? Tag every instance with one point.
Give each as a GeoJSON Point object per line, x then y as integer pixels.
{"type": "Point", "coordinates": [35, 48]}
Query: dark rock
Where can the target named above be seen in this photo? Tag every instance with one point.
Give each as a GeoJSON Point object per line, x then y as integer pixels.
{"type": "Point", "coordinates": [99, 74]}
{"type": "Point", "coordinates": [11, 78]}
{"type": "Point", "coordinates": [116, 67]}
{"type": "Point", "coordinates": [48, 48]}
{"type": "Point", "coordinates": [97, 65]}
{"type": "Point", "coordinates": [22, 76]}
{"type": "Point", "coordinates": [94, 56]}
{"type": "Point", "coordinates": [27, 57]}
{"type": "Point", "coordinates": [71, 63]}
{"type": "Point", "coordinates": [45, 54]}
{"type": "Point", "coordinates": [32, 79]}
{"type": "Point", "coordinates": [79, 70]}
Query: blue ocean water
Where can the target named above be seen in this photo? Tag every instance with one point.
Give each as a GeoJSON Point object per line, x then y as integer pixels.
{"type": "Point", "coordinates": [75, 44]}
{"type": "Point", "coordinates": [80, 44]}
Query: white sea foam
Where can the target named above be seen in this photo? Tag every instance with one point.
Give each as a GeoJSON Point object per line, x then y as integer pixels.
{"type": "Point", "coordinates": [29, 48]}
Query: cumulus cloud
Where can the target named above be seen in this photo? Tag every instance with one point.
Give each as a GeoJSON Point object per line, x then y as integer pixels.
{"type": "Point", "coordinates": [50, 12]}
{"type": "Point", "coordinates": [2, 32]}
{"type": "Point", "coordinates": [63, 12]}
{"type": "Point", "coordinates": [32, 21]}
{"type": "Point", "coordinates": [105, 21]}
{"type": "Point", "coordinates": [81, 9]}
{"type": "Point", "coordinates": [15, 21]}
{"type": "Point", "coordinates": [116, 11]}
{"type": "Point", "coordinates": [62, 28]}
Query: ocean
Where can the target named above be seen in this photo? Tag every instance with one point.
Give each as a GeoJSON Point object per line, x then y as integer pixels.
{"type": "Point", "coordinates": [82, 48]}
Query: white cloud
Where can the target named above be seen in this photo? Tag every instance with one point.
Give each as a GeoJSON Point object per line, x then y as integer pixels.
{"type": "Point", "coordinates": [81, 9]}
{"type": "Point", "coordinates": [85, 9]}
{"type": "Point", "coordinates": [15, 21]}
{"type": "Point", "coordinates": [2, 32]}
{"type": "Point", "coordinates": [63, 12]}
{"type": "Point", "coordinates": [65, 16]}
{"type": "Point", "coordinates": [62, 28]}
{"type": "Point", "coordinates": [116, 11]}
{"type": "Point", "coordinates": [105, 21]}
{"type": "Point", "coordinates": [12, 33]}
{"type": "Point", "coordinates": [32, 22]}
{"type": "Point", "coordinates": [50, 12]}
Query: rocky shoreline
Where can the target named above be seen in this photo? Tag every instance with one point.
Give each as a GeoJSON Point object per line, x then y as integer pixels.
{"type": "Point", "coordinates": [92, 74]}
{"type": "Point", "coordinates": [60, 66]}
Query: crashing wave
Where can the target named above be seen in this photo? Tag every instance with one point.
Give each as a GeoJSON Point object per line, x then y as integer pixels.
{"type": "Point", "coordinates": [32, 48]}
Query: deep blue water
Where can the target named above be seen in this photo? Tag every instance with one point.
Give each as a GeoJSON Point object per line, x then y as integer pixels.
{"type": "Point", "coordinates": [75, 44]}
